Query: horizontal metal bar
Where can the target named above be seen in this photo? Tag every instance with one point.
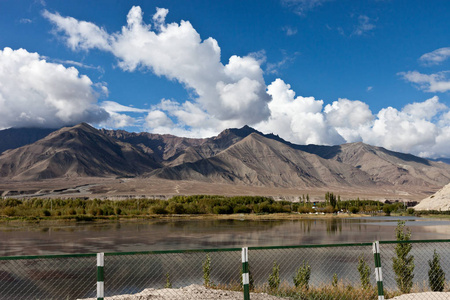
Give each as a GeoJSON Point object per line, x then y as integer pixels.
{"type": "Point", "coordinates": [216, 250]}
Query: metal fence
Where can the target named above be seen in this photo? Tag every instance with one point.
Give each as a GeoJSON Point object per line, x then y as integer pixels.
{"type": "Point", "coordinates": [343, 271]}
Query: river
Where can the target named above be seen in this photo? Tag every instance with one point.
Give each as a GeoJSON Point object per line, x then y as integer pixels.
{"type": "Point", "coordinates": [35, 239]}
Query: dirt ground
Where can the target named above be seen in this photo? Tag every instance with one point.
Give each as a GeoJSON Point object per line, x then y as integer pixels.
{"type": "Point", "coordinates": [123, 188]}
{"type": "Point", "coordinates": [424, 296]}
{"type": "Point", "coordinates": [199, 292]}
{"type": "Point", "coordinates": [194, 291]}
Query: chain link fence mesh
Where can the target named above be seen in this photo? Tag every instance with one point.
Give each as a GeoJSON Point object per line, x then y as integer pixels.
{"type": "Point", "coordinates": [406, 268]}
{"type": "Point", "coordinates": [52, 278]}
{"type": "Point", "coordinates": [294, 272]}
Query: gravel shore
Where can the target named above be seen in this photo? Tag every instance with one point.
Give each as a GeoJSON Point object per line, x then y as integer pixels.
{"type": "Point", "coordinates": [424, 296]}
{"type": "Point", "coordinates": [194, 291]}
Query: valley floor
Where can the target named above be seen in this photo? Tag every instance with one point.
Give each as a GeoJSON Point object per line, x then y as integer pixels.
{"type": "Point", "coordinates": [125, 188]}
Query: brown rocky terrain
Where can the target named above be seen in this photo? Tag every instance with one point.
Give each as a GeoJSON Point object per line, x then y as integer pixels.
{"type": "Point", "coordinates": [235, 160]}
{"type": "Point", "coordinates": [79, 151]}
{"type": "Point", "coordinates": [13, 138]}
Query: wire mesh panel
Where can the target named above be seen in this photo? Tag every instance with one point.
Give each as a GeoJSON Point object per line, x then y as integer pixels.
{"type": "Point", "coordinates": [314, 272]}
{"type": "Point", "coordinates": [410, 270]}
{"type": "Point", "coordinates": [48, 278]}
{"type": "Point", "coordinates": [153, 274]}
{"type": "Point", "coordinates": [411, 267]}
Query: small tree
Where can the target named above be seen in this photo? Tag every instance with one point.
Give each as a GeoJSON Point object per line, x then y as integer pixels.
{"type": "Point", "coordinates": [301, 278]}
{"type": "Point", "coordinates": [436, 276]}
{"type": "Point", "coordinates": [403, 263]}
{"type": "Point", "coordinates": [168, 283]}
{"type": "Point", "coordinates": [335, 280]}
{"type": "Point", "coordinates": [207, 271]}
{"type": "Point", "coordinates": [274, 278]}
{"type": "Point", "coordinates": [364, 273]}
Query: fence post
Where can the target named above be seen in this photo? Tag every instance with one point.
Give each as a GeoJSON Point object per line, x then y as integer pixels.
{"type": "Point", "coordinates": [245, 275]}
{"type": "Point", "coordinates": [378, 273]}
{"type": "Point", "coordinates": [100, 276]}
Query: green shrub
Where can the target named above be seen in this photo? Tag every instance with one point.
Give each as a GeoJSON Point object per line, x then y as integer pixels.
{"type": "Point", "coordinates": [353, 209]}
{"type": "Point", "coordinates": [207, 271]}
{"type": "Point", "coordinates": [436, 276]}
{"type": "Point", "coordinates": [10, 203]}
{"type": "Point", "coordinates": [364, 273]}
{"type": "Point", "coordinates": [387, 209]}
{"type": "Point", "coordinates": [223, 210]}
{"type": "Point", "coordinates": [117, 211]}
{"type": "Point", "coordinates": [274, 278]}
{"type": "Point", "coordinates": [410, 211]}
{"type": "Point", "coordinates": [305, 209]}
{"type": "Point", "coordinates": [46, 213]}
{"type": "Point", "coordinates": [301, 278]}
{"type": "Point", "coordinates": [158, 210]}
{"type": "Point", "coordinates": [329, 209]}
{"type": "Point", "coordinates": [334, 281]}
{"type": "Point", "coordinates": [176, 208]}
{"type": "Point", "coordinates": [9, 211]}
{"type": "Point", "coordinates": [242, 209]}
{"type": "Point", "coordinates": [403, 263]}
{"type": "Point", "coordinates": [263, 208]}
{"type": "Point", "coordinates": [168, 283]}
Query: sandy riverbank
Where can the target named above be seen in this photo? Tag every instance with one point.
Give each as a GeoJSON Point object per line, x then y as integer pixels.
{"type": "Point", "coordinates": [193, 291]}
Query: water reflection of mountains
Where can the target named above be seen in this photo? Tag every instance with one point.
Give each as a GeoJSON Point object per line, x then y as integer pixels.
{"type": "Point", "coordinates": [197, 234]}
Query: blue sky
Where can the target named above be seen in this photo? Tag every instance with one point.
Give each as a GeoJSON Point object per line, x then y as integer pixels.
{"type": "Point", "coordinates": [312, 71]}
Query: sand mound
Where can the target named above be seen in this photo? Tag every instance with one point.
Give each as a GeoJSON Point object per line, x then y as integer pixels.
{"type": "Point", "coordinates": [423, 296]}
{"type": "Point", "coordinates": [194, 291]}
{"type": "Point", "coordinates": [438, 201]}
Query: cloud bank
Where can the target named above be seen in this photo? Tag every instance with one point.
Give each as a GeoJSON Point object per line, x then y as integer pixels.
{"type": "Point", "coordinates": [235, 94]}
{"type": "Point", "coordinates": [37, 93]}
{"type": "Point", "coordinates": [422, 128]}
{"type": "Point", "coordinates": [227, 95]}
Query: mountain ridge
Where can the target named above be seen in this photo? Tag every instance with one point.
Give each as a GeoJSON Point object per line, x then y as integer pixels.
{"type": "Point", "coordinates": [242, 156]}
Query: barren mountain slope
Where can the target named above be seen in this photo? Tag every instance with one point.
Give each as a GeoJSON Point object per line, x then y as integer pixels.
{"type": "Point", "coordinates": [382, 164]}
{"type": "Point", "coordinates": [397, 168]}
{"type": "Point", "coordinates": [74, 151]}
{"type": "Point", "coordinates": [257, 160]}
{"type": "Point", "coordinates": [438, 201]}
{"type": "Point", "coordinates": [13, 138]}
{"type": "Point", "coordinates": [164, 147]}
{"type": "Point", "coordinates": [172, 150]}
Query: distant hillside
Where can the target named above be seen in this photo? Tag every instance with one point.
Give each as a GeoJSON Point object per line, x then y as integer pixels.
{"type": "Point", "coordinates": [243, 156]}
{"type": "Point", "coordinates": [75, 151]}
{"type": "Point", "coordinates": [13, 138]}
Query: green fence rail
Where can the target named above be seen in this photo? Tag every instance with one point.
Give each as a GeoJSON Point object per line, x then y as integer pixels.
{"type": "Point", "coordinates": [381, 270]}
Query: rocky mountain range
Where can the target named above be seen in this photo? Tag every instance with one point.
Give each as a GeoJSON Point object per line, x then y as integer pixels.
{"type": "Point", "coordinates": [238, 156]}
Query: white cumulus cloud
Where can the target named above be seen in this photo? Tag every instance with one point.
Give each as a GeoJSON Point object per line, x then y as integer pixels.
{"type": "Point", "coordinates": [298, 119]}
{"type": "Point", "coordinates": [438, 82]}
{"type": "Point", "coordinates": [435, 57]}
{"type": "Point", "coordinates": [234, 93]}
{"type": "Point", "coordinates": [34, 92]}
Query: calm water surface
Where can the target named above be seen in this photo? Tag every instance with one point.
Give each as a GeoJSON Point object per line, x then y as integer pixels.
{"type": "Point", "coordinates": [38, 239]}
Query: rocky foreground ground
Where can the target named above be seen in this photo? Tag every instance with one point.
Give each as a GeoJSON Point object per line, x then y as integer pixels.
{"type": "Point", "coordinates": [197, 292]}
{"type": "Point", "coordinates": [424, 296]}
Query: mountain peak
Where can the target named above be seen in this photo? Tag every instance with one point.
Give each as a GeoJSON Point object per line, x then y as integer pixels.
{"type": "Point", "coordinates": [240, 132]}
